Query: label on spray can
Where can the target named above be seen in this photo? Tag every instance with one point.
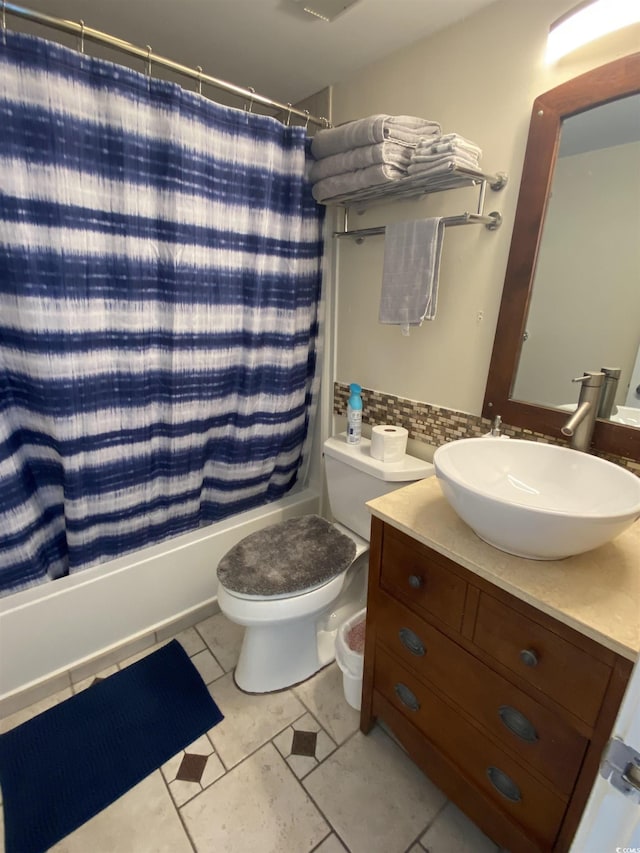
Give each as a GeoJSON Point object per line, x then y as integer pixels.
{"type": "Point", "coordinates": [354, 425]}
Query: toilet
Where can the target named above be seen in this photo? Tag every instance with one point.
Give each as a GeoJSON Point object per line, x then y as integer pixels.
{"type": "Point", "coordinates": [292, 584]}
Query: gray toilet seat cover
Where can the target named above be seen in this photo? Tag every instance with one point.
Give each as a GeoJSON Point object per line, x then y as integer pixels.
{"type": "Point", "coordinates": [286, 558]}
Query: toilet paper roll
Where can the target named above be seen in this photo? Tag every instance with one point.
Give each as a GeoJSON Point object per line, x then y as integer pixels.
{"type": "Point", "coordinates": [388, 443]}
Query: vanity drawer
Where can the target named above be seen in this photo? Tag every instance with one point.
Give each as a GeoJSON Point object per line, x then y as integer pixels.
{"type": "Point", "coordinates": [422, 579]}
{"type": "Point", "coordinates": [519, 724]}
{"type": "Point", "coordinates": [567, 674]}
{"type": "Point", "coordinates": [514, 791]}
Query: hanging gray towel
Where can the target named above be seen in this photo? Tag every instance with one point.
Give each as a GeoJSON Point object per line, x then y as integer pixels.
{"type": "Point", "coordinates": [410, 273]}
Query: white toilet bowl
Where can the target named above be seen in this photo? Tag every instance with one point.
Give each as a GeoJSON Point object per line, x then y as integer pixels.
{"type": "Point", "coordinates": [293, 584]}
{"type": "Point", "coordinates": [288, 638]}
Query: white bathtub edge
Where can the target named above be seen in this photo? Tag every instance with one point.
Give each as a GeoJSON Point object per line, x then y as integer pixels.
{"type": "Point", "coordinates": [49, 630]}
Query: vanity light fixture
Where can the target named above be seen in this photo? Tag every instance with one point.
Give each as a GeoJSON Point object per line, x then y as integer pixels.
{"type": "Point", "coordinates": [587, 22]}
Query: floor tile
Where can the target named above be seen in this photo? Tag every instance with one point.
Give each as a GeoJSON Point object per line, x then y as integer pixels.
{"type": "Point", "coordinates": [213, 771]}
{"type": "Point", "coordinates": [289, 742]}
{"type": "Point", "coordinates": [144, 819]}
{"type": "Point", "coordinates": [324, 697]}
{"type": "Point", "coordinates": [31, 711]}
{"type": "Point", "coordinates": [270, 775]}
{"type": "Point", "coordinates": [453, 832]}
{"type": "Point", "coordinates": [249, 720]}
{"type": "Point", "coordinates": [206, 768]}
{"type": "Point", "coordinates": [13, 703]}
{"type": "Point", "coordinates": [331, 844]}
{"type": "Point", "coordinates": [181, 791]}
{"type": "Point", "coordinates": [134, 658]}
{"type": "Point", "coordinates": [115, 656]}
{"type": "Point", "coordinates": [190, 641]}
{"type": "Point", "coordinates": [207, 666]}
{"type": "Point", "coordinates": [88, 682]}
{"type": "Point", "coordinates": [188, 621]}
{"type": "Point", "coordinates": [223, 637]}
{"type": "Point", "coordinates": [374, 796]}
{"type": "Point", "coordinates": [256, 806]}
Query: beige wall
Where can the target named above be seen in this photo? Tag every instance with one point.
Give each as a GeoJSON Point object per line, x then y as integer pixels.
{"type": "Point", "coordinates": [478, 78]}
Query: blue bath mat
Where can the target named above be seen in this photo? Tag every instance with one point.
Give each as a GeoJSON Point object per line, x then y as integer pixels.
{"type": "Point", "coordinates": [70, 762]}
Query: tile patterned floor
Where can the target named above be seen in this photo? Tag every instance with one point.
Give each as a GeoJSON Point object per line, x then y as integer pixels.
{"type": "Point", "coordinates": [288, 772]}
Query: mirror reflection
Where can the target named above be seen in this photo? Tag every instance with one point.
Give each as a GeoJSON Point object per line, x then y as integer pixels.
{"type": "Point", "coordinates": [584, 310]}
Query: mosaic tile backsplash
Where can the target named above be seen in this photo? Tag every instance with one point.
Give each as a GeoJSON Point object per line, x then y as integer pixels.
{"type": "Point", "coordinates": [435, 425]}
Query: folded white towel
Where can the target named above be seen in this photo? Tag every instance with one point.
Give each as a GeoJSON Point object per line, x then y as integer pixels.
{"type": "Point", "coordinates": [369, 131]}
{"type": "Point", "coordinates": [430, 159]}
{"type": "Point", "coordinates": [361, 179]}
{"type": "Point", "coordinates": [389, 153]}
{"type": "Point", "coordinates": [410, 273]}
{"type": "Point", "coordinates": [457, 138]}
{"type": "Point", "coordinates": [451, 148]}
{"type": "Point", "coordinates": [439, 147]}
{"type": "Point", "coordinates": [452, 138]}
{"type": "Point", "coordinates": [442, 165]}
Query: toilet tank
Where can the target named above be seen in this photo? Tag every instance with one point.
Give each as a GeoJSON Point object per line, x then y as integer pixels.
{"type": "Point", "coordinates": [355, 477]}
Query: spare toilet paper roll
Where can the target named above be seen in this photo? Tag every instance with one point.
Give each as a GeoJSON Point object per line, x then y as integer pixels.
{"type": "Point", "coordinates": [388, 443]}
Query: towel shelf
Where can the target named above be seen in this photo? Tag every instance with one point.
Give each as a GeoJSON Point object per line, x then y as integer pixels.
{"type": "Point", "coordinates": [418, 185]}
{"type": "Point", "coordinates": [415, 185]}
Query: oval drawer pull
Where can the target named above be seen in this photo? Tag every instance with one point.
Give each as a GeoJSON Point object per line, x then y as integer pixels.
{"type": "Point", "coordinates": [517, 723]}
{"type": "Point", "coordinates": [504, 785]}
{"type": "Point", "coordinates": [407, 697]}
{"type": "Point", "coordinates": [529, 657]}
{"type": "Point", "coordinates": [411, 642]}
{"type": "Point", "coordinates": [415, 582]}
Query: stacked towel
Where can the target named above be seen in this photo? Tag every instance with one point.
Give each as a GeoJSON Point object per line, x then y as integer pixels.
{"type": "Point", "coordinates": [369, 131]}
{"type": "Point", "coordinates": [366, 153]}
{"type": "Point", "coordinates": [396, 154]}
{"type": "Point", "coordinates": [443, 153]}
{"type": "Point", "coordinates": [360, 179]}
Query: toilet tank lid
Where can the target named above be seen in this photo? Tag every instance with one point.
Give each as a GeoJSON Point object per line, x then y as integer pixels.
{"type": "Point", "coordinates": [406, 470]}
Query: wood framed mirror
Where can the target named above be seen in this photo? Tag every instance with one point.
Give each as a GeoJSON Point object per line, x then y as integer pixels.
{"type": "Point", "coordinates": [616, 82]}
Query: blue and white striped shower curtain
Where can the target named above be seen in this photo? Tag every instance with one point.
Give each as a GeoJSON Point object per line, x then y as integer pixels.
{"type": "Point", "coordinates": [160, 274]}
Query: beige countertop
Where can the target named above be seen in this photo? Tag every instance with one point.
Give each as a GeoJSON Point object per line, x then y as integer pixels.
{"type": "Point", "coordinates": [597, 593]}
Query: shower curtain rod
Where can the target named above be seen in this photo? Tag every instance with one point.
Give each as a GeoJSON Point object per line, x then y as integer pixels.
{"type": "Point", "coordinates": [146, 53]}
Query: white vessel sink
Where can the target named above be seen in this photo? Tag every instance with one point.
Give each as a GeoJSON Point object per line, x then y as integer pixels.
{"type": "Point", "coordinates": [534, 500]}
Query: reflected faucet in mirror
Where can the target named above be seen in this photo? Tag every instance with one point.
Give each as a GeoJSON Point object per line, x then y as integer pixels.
{"type": "Point", "coordinates": [581, 424]}
{"type": "Point", "coordinates": [608, 396]}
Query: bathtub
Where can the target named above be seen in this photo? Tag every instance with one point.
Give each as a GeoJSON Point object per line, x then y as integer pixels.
{"type": "Point", "coordinates": [53, 628]}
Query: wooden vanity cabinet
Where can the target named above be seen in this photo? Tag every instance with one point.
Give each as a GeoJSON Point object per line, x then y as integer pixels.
{"type": "Point", "coordinates": [506, 709]}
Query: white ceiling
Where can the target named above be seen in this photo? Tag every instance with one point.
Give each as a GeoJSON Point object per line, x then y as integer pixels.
{"type": "Point", "coordinates": [272, 45]}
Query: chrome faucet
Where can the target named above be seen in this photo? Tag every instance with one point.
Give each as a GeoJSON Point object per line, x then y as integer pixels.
{"type": "Point", "coordinates": [582, 422]}
{"type": "Point", "coordinates": [608, 396]}
{"type": "Point", "coordinates": [495, 426]}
